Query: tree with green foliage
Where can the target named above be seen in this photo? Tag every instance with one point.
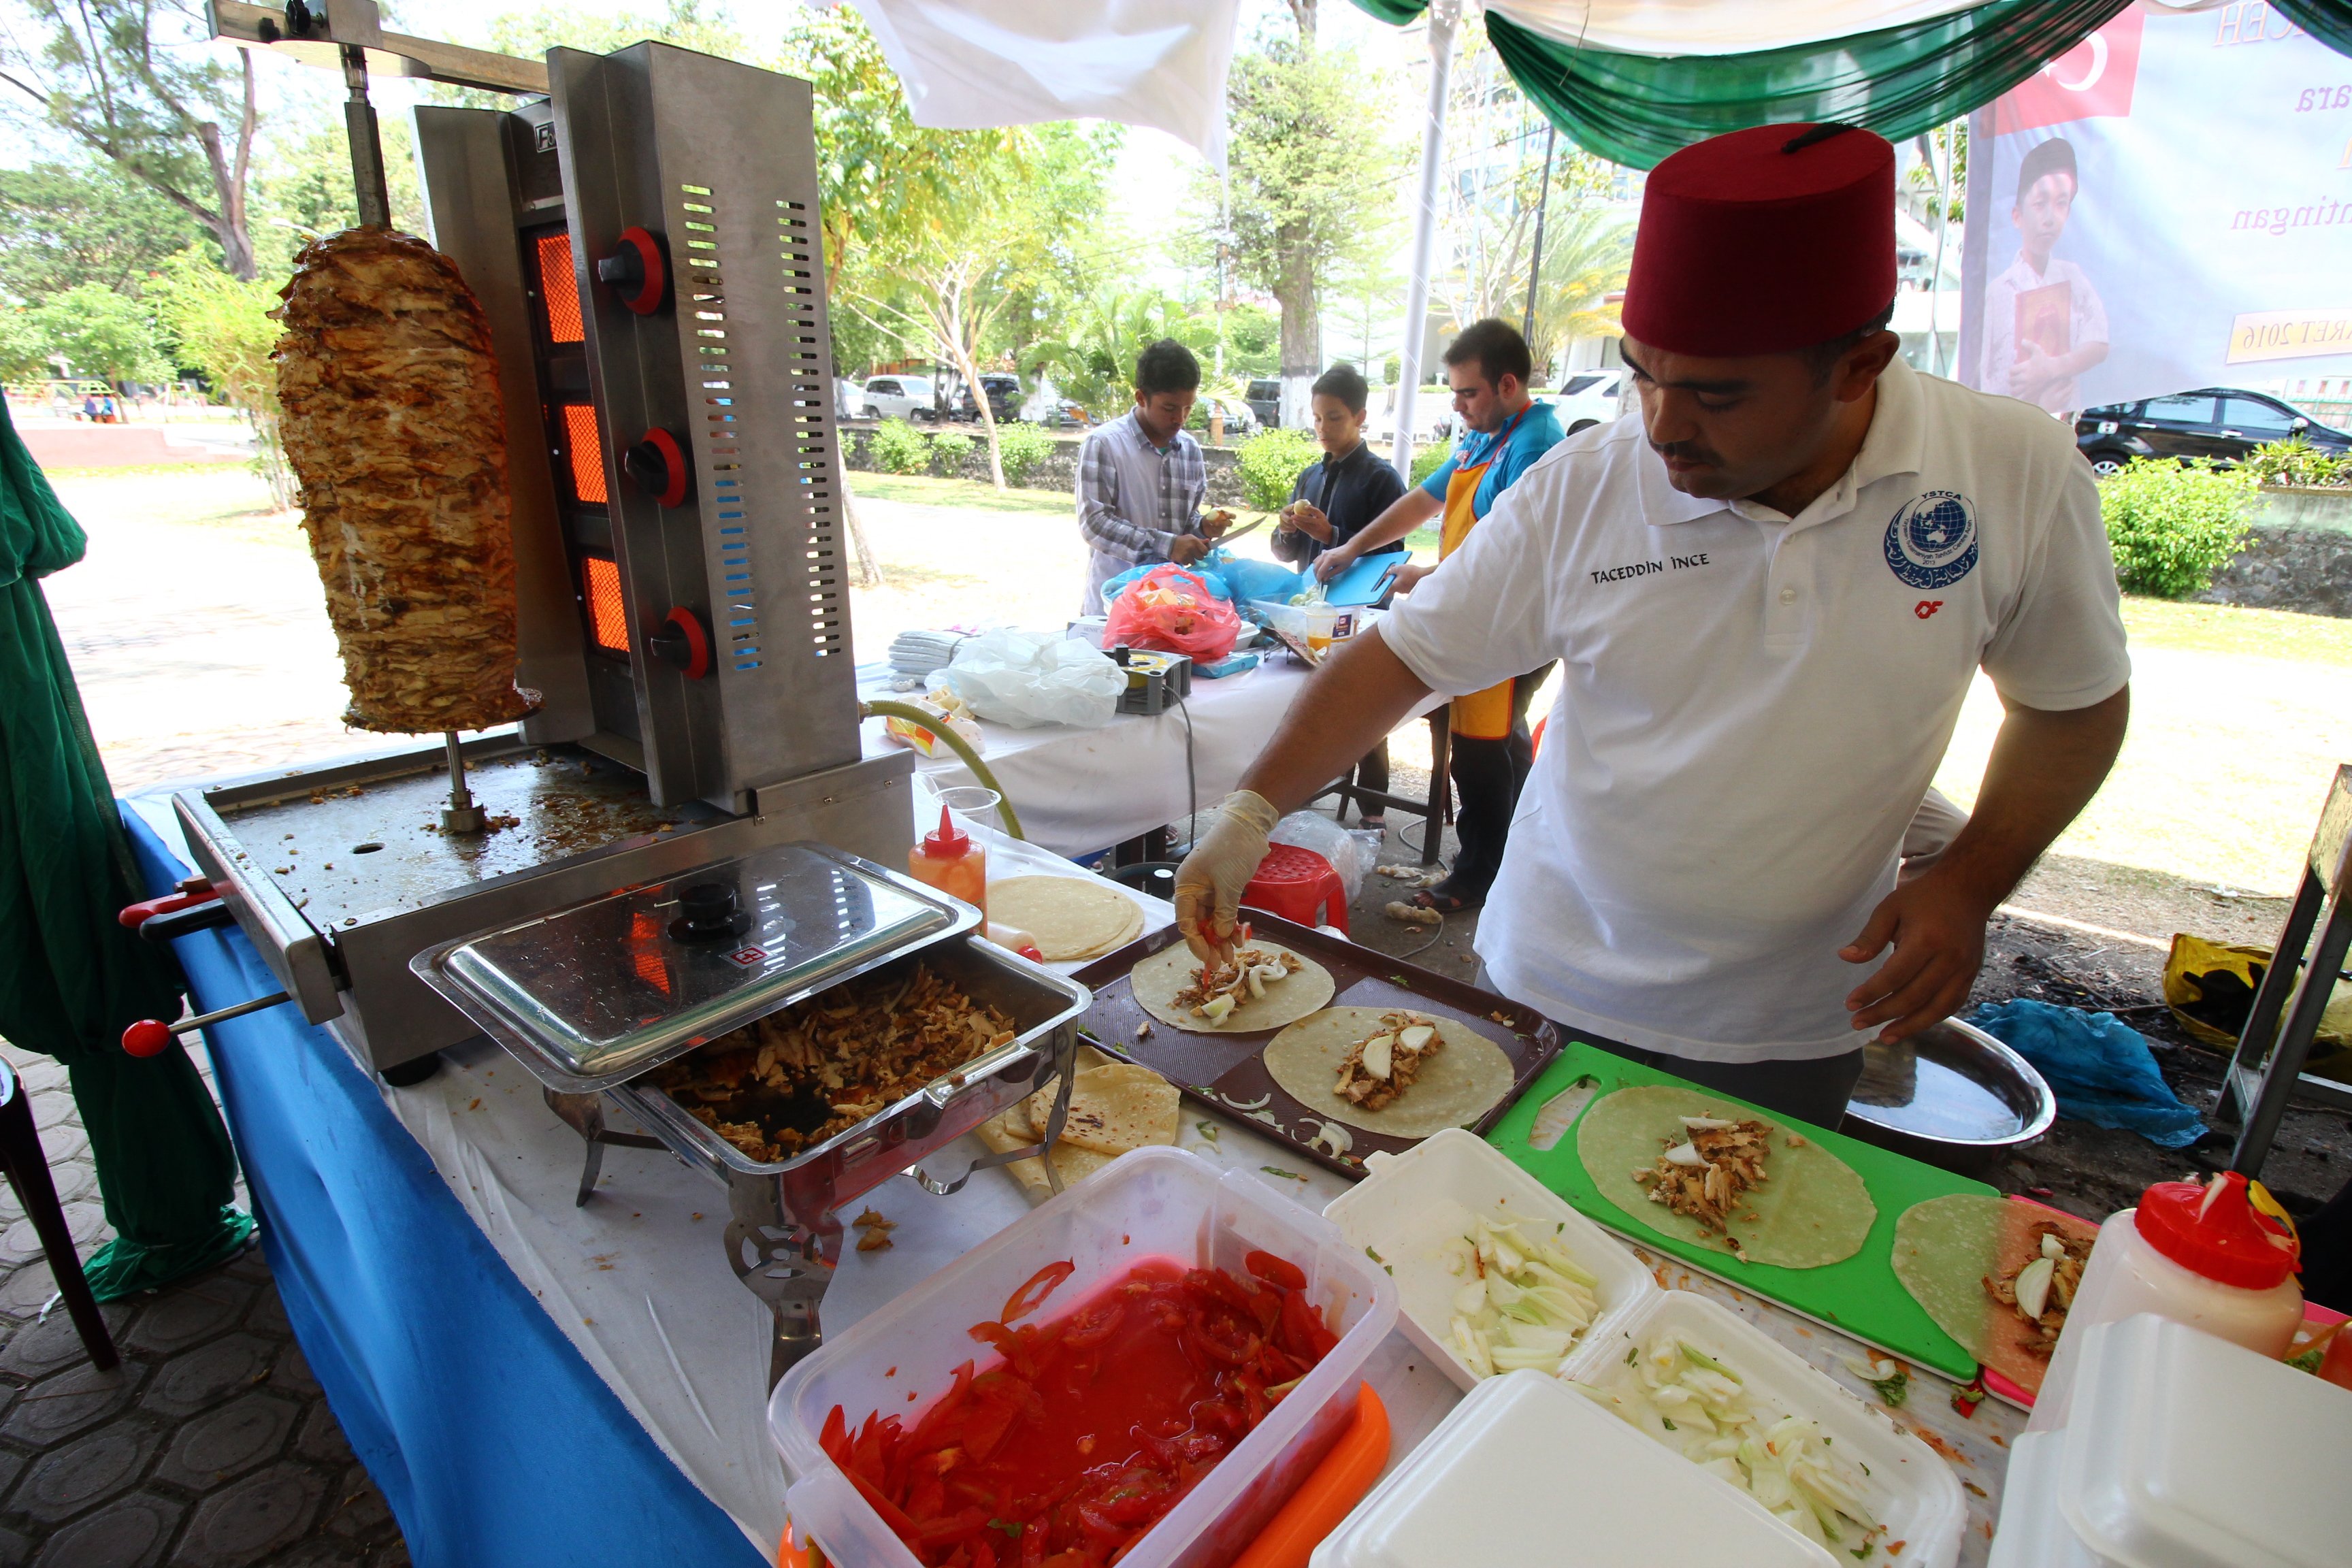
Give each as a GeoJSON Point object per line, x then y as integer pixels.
{"type": "Point", "coordinates": [1311, 174]}
{"type": "Point", "coordinates": [24, 350]}
{"type": "Point", "coordinates": [1091, 359]}
{"type": "Point", "coordinates": [1269, 463]}
{"type": "Point", "coordinates": [102, 334]}
{"type": "Point", "coordinates": [63, 224]}
{"type": "Point", "coordinates": [133, 81]}
{"type": "Point", "coordinates": [305, 190]}
{"type": "Point", "coordinates": [222, 327]}
{"type": "Point", "coordinates": [1588, 252]}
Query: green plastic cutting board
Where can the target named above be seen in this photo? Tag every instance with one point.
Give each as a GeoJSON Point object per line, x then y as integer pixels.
{"type": "Point", "coordinates": [1860, 1295]}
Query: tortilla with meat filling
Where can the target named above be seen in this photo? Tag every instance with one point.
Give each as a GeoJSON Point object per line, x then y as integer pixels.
{"type": "Point", "coordinates": [1454, 1086]}
{"type": "Point", "coordinates": [1810, 1210]}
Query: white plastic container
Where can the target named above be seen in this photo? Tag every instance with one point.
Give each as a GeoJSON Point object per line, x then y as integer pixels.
{"type": "Point", "coordinates": [1315, 621]}
{"type": "Point", "coordinates": [2185, 1451]}
{"type": "Point", "coordinates": [1528, 1470]}
{"type": "Point", "coordinates": [2206, 1261]}
{"type": "Point", "coordinates": [1154, 1203]}
{"type": "Point", "coordinates": [1409, 1207]}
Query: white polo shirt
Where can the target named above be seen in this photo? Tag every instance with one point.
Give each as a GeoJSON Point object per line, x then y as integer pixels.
{"type": "Point", "coordinates": [1753, 705]}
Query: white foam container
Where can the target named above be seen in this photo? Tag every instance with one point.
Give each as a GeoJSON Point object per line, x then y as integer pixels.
{"type": "Point", "coordinates": [1526, 1469]}
{"type": "Point", "coordinates": [1411, 1202]}
{"type": "Point", "coordinates": [1410, 1205]}
{"type": "Point", "coordinates": [1154, 1202]}
{"type": "Point", "coordinates": [2187, 1452]}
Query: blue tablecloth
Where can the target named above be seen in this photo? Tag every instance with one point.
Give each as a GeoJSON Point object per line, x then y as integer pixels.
{"type": "Point", "coordinates": [493, 1441]}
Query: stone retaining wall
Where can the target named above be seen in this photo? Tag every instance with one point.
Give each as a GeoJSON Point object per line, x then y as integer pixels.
{"type": "Point", "coordinates": [2303, 569]}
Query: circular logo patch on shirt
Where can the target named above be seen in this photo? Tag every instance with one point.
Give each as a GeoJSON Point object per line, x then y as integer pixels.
{"type": "Point", "coordinates": [1932, 542]}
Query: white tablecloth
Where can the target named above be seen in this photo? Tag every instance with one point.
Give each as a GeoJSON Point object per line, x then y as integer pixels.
{"type": "Point", "coordinates": [636, 1279]}
{"type": "Point", "coordinates": [1078, 791]}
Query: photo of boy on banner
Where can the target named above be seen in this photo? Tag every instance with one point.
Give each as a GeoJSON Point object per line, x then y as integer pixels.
{"type": "Point", "coordinates": [2044, 324]}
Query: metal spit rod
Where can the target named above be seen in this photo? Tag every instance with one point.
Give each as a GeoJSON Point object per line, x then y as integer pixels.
{"type": "Point", "coordinates": [367, 159]}
{"type": "Point", "coordinates": [461, 814]}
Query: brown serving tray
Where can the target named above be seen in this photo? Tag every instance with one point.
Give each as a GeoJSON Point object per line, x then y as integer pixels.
{"type": "Point", "coordinates": [1227, 1072]}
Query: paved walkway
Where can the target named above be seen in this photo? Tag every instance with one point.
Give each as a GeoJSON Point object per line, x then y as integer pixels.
{"type": "Point", "coordinates": [211, 1447]}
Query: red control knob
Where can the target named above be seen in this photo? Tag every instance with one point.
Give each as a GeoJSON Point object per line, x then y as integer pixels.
{"type": "Point", "coordinates": [147, 1037]}
{"type": "Point", "coordinates": [637, 270]}
{"type": "Point", "coordinates": [657, 466]}
{"type": "Point", "coordinates": [139, 914]}
{"type": "Point", "coordinates": [683, 641]}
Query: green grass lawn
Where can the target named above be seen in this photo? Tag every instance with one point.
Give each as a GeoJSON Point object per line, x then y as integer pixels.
{"type": "Point", "coordinates": [973, 495]}
{"type": "Point", "coordinates": [2240, 633]}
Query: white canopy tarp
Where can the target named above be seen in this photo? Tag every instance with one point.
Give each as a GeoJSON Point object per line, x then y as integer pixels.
{"type": "Point", "coordinates": [967, 64]}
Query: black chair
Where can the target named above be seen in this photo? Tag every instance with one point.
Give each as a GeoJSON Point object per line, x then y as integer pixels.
{"type": "Point", "coordinates": [28, 1172]}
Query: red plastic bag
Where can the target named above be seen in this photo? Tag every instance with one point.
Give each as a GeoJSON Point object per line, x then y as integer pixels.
{"type": "Point", "coordinates": [1172, 609]}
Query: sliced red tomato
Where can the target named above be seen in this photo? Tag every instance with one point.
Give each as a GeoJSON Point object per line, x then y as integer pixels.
{"type": "Point", "coordinates": [834, 1437]}
{"type": "Point", "coordinates": [1034, 1289]}
{"type": "Point", "coordinates": [1094, 1325]}
{"type": "Point", "coordinates": [1276, 1270]}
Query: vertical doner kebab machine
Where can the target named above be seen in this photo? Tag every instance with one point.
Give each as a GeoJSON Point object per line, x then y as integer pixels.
{"type": "Point", "coordinates": [680, 842]}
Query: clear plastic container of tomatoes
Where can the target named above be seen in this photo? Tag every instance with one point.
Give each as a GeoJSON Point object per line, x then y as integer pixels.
{"type": "Point", "coordinates": [1153, 1204]}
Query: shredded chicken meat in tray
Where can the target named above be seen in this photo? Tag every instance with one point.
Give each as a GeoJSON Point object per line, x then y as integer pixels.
{"type": "Point", "coordinates": [794, 1078]}
{"type": "Point", "coordinates": [1704, 1175]}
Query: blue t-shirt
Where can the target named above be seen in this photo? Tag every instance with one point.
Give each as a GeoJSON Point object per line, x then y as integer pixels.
{"type": "Point", "coordinates": [1536, 432]}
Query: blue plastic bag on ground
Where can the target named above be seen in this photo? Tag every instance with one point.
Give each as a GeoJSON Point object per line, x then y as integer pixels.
{"type": "Point", "coordinates": [2099, 1067]}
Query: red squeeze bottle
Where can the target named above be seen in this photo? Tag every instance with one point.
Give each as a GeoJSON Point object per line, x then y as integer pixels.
{"type": "Point", "coordinates": [949, 860]}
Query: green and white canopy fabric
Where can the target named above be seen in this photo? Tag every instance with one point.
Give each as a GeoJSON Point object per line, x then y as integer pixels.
{"type": "Point", "coordinates": [1635, 79]}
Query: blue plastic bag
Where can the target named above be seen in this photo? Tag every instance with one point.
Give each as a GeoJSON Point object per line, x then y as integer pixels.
{"type": "Point", "coordinates": [1248, 578]}
{"type": "Point", "coordinates": [2099, 1067]}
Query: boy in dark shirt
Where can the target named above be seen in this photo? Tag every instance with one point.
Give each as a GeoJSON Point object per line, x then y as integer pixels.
{"type": "Point", "coordinates": [1336, 498]}
{"type": "Point", "coordinates": [1333, 501]}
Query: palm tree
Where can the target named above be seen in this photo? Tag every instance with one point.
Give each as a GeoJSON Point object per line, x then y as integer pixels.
{"type": "Point", "coordinates": [1587, 252]}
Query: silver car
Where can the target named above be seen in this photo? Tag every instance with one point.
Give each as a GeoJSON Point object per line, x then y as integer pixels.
{"type": "Point", "coordinates": [900, 397]}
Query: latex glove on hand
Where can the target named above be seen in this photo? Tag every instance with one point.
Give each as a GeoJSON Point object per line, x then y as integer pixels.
{"type": "Point", "coordinates": [1209, 883]}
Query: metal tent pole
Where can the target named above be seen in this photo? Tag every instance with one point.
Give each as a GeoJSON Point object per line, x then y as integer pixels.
{"type": "Point", "coordinates": [1444, 18]}
{"type": "Point", "coordinates": [1535, 266]}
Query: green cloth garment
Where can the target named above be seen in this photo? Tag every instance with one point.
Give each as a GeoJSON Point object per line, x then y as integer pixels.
{"type": "Point", "coordinates": [1636, 109]}
{"type": "Point", "coordinates": [2329, 21]}
{"type": "Point", "coordinates": [71, 978]}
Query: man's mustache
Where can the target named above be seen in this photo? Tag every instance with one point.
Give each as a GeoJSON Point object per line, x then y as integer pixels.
{"type": "Point", "coordinates": [1683, 451]}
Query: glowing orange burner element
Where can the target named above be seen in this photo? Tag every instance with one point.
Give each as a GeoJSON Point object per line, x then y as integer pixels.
{"type": "Point", "coordinates": [587, 452]}
{"type": "Point", "coordinates": [558, 290]}
{"type": "Point", "coordinates": [608, 617]}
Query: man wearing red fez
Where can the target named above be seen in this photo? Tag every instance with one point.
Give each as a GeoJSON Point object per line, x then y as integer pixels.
{"type": "Point", "coordinates": [1767, 596]}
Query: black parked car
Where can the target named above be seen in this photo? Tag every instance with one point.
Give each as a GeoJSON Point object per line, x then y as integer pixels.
{"type": "Point", "coordinates": [1004, 397]}
{"type": "Point", "coordinates": [2219, 422]}
{"type": "Point", "coordinates": [1265, 400]}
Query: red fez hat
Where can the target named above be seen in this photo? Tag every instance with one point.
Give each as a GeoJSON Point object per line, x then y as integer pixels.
{"type": "Point", "coordinates": [1764, 240]}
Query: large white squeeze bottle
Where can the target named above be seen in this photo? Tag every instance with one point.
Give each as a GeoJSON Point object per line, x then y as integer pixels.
{"type": "Point", "coordinates": [2204, 1256]}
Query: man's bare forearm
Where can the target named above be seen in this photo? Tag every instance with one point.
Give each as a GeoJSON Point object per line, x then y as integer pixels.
{"type": "Point", "coordinates": [2045, 767]}
{"type": "Point", "coordinates": [1361, 693]}
{"type": "Point", "coordinates": [1404, 514]}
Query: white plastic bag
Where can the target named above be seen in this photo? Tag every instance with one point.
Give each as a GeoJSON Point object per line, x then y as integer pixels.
{"type": "Point", "coordinates": [1348, 853]}
{"type": "Point", "coordinates": [1028, 679]}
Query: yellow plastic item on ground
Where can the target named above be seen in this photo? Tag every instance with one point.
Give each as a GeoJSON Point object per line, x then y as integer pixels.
{"type": "Point", "coordinates": [2189, 972]}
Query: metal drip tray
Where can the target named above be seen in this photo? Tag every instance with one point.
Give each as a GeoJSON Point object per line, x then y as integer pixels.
{"type": "Point", "coordinates": [595, 994]}
{"type": "Point", "coordinates": [1952, 1094]}
{"type": "Point", "coordinates": [348, 845]}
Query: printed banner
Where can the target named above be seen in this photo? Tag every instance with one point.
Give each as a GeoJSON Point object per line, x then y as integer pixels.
{"type": "Point", "coordinates": [2167, 206]}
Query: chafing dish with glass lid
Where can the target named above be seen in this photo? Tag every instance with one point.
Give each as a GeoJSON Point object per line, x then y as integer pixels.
{"type": "Point", "coordinates": [594, 998]}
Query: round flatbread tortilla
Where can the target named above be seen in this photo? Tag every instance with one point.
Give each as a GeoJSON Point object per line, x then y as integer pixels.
{"type": "Point", "coordinates": [1114, 1108]}
{"type": "Point", "coordinates": [1158, 979]}
{"type": "Point", "coordinates": [1466, 1078]}
{"type": "Point", "coordinates": [1810, 1211]}
{"type": "Point", "coordinates": [1945, 1250]}
{"type": "Point", "coordinates": [1070, 917]}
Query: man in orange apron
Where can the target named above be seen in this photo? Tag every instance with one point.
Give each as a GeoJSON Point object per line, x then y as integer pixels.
{"type": "Point", "coordinates": [1504, 432]}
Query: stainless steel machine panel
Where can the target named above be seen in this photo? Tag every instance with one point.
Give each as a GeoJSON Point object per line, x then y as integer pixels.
{"type": "Point", "coordinates": [716, 162]}
{"type": "Point", "coordinates": [593, 995]}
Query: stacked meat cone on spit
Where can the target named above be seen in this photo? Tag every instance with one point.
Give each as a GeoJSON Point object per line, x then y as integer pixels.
{"type": "Point", "coordinates": [394, 428]}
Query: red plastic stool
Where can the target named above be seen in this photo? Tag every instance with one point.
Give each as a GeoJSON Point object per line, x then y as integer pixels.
{"type": "Point", "coordinates": [1295, 883]}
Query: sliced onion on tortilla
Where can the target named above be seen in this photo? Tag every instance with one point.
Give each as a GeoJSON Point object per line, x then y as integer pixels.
{"type": "Point", "coordinates": [1156, 981]}
{"type": "Point", "coordinates": [1459, 1083]}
